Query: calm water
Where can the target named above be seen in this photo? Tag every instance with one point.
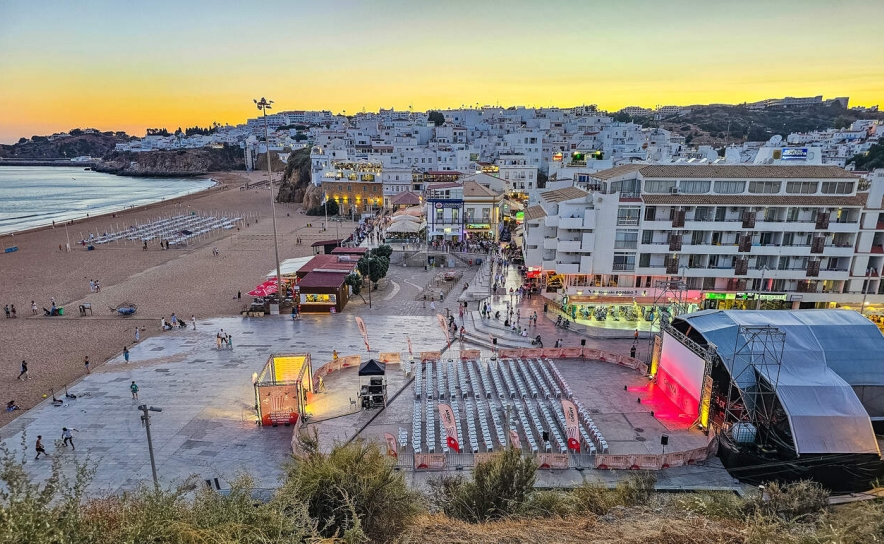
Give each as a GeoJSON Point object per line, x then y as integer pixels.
{"type": "Point", "coordinates": [31, 196]}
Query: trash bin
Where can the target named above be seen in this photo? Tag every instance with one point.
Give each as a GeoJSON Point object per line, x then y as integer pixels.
{"type": "Point", "coordinates": [471, 262]}
{"type": "Point", "coordinates": [545, 307]}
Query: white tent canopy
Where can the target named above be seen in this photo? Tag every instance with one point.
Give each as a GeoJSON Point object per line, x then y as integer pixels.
{"type": "Point", "coordinates": [824, 350]}
{"type": "Point", "coordinates": [290, 266]}
{"type": "Point", "coordinates": [406, 227]}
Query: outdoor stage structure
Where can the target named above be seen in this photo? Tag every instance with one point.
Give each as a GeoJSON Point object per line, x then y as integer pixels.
{"type": "Point", "coordinates": [282, 388]}
{"type": "Point", "coordinates": [790, 394]}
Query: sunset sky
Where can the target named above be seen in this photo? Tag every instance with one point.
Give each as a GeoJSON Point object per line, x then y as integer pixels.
{"type": "Point", "coordinates": [130, 65]}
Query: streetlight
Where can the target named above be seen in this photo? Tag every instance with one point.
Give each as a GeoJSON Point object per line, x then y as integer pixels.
{"type": "Point", "coordinates": [866, 282]}
{"type": "Point", "coordinates": [265, 105]}
{"type": "Point", "coordinates": [761, 287]}
{"type": "Point", "coordinates": [146, 417]}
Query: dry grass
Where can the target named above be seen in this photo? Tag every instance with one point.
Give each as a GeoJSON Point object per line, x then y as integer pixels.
{"type": "Point", "coordinates": [633, 526]}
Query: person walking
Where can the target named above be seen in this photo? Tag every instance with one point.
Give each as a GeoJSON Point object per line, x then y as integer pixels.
{"type": "Point", "coordinates": [134, 389]}
{"type": "Point", "coordinates": [6, 309]}
{"type": "Point", "coordinates": [24, 371]}
{"type": "Point", "coordinates": [218, 339]}
{"type": "Point", "coordinates": [68, 438]}
{"type": "Point", "coordinates": [632, 351]}
{"type": "Point", "coordinates": [635, 337]}
{"type": "Point", "coordinates": [321, 385]}
{"type": "Point", "coordinates": [13, 311]}
{"type": "Point", "coordinates": [137, 335]}
{"type": "Point", "coordinates": [86, 363]}
{"type": "Point", "coordinates": [39, 447]}
{"type": "Point", "coordinates": [126, 354]}
{"type": "Point", "coordinates": [193, 321]}
{"type": "Point", "coordinates": [33, 308]}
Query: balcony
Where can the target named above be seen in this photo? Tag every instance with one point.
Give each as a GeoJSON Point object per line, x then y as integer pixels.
{"type": "Point", "coordinates": [569, 246]}
{"type": "Point", "coordinates": [623, 267]}
{"type": "Point", "coordinates": [572, 223]}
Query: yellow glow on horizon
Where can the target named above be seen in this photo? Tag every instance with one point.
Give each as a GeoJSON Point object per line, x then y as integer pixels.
{"type": "Point", "coordinates": [171, 65]}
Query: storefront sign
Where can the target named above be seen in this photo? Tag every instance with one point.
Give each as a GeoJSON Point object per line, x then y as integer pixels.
{"type": "Point", "coordinates": [747, 296]}
{"type": "Point", "coordinates": [720, 296]}
{"type": "Point", "coordinates": [770, 296]}
{"type": "Point", "coordinates": [478, 226]}
{"type": "Point", "coordinates": [795, 153]}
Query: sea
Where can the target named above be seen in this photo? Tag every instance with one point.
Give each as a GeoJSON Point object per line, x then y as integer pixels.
{"type": "Point", "coordinates": [34, 196]}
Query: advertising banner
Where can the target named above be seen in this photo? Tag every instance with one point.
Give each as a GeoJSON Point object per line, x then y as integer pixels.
{"type": "Point", "coordinates": [429, 461]}
{"type": "Point", "coordinates": [470, 354]}
{"type": "Point", "coordinates": [449, 423]}
{"type": "Point", "coordinates": [556, 461]}
{"type": "Point", "coordinates": [571, 425]}
{"type": "Point", "coordinates": [361, 324]}
{"type": "Point", "coordinates": [514, 439]}
{"type": "Point", "coordinates": [389, 357]}
{"type": "Point", "coordinates": [392, 447]}
{"type": "Point", "coordinates": [430, 355]}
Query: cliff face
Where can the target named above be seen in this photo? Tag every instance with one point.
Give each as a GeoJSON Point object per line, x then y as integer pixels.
{"type": "Point", "coordinates": [182, 162]}
{"type": "Point", "coordinates": [296, 182]}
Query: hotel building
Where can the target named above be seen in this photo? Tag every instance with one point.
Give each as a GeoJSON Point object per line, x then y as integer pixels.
{"type": "Point", "coordinates": [734, 236]}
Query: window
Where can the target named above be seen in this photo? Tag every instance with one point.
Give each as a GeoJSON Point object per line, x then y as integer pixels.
{"type": "Point", "coordinates": [644, 260]}
{"type": "Point", "coordinates": [364, 188]}
{"type": "Point", "coordinates": [439, 215]}
{"type": "Point", "coordinates": [626, 239]}
{"type": "Point", "coordinates": [694, 186]}
{"type": "Point", "coordinates": [730, 187]}
{"type": "Point", "coordinates": [651, 213]}
{"type": "Point", "coordinates": [647, 236]}
{"type": "Point", "coordinates": [348, 188]}
{"type": "Point", "coordinates": [486, 215]}
{"type": "Point", "coordinates": [764, 187]}
{"type": "Point", "coordinates": [624, 261]}
{"type": "Point", "coordinates": [659, 186]}
{"type": "Point", "coordinates": [703, 213]}
{"type": "Point", "coordinates": [469, 213]}
{"type": "Point", "coordinates": [454, 215]}
{"type": "Point", "coordinates": [837, 187]}
{"type": "Point", "coordinates": [628, 216]}
{"type": "Point", "coordinates": [801, 187]}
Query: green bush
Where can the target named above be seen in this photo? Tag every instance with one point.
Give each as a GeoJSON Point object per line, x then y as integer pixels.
{"type": "Point", "coordinates": [353, 492]}
{"type": "Point", "coordinates": [548, 503]}
{"type": "Point", "coordinates": [637, 490]}
{"type": "Point", "coordinates": [499, 489]}
{"type": "Point", "coordinates": [715, 504]}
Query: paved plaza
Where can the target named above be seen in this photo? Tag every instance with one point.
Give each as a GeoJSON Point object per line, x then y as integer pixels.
{"type": "Point", "coordinates": [208, 425]}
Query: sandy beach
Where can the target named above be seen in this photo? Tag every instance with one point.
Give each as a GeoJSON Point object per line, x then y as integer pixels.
{"type": "Point", "coordinates": [189, 281]}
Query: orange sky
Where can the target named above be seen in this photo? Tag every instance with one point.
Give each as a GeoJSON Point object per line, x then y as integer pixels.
{"type": "Point", "coordinates": [117, 66]}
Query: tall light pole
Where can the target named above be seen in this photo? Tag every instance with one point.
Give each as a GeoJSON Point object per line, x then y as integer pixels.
{"type": "Point", "coordinates": [265, 105]}
{"type": "Point", "coordinates": [146, 417]}
{"type": "Point", "coordinates": [866, 282]}
{"type": "Point", "coordinates": [761, 287]}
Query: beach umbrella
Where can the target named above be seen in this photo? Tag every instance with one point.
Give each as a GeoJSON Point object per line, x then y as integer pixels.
{"type": "Point", "coordinates": [267, 288]}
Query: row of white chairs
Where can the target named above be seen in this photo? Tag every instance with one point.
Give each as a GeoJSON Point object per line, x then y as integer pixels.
{"type": "Point", "coordinates": [416, 425]}
{"type": "Point", "coordinates": [555, 390]}
{"type": "Point", "coordinates": [566, 389]}
{"type": "Point", "coordinates": [593, 431]}
{"type": "Point", "coordinates": [526, 428]}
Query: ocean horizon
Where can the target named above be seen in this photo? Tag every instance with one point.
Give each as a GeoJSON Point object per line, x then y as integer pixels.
{"type": "Point", "coordinates": [34, 196]}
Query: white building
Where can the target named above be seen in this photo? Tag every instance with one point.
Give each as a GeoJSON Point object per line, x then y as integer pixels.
{"type": "Point", "coordinates": [794, 236]}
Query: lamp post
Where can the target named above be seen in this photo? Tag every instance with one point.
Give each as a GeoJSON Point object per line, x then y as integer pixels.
{"type": "Point", "coordinates": [862, 309]}
{"type": "Point", "coordinates": [761, 287]}
{"type": "Point", "coordinates": [265, 105]}
{"type": "Point", "coordinates": [146, 417]}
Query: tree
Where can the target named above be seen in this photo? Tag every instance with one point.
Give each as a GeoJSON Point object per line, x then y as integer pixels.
{"type": "Point", "coordinates": [541, 180]}
{"type": "Point", "coordinates": [383, 251]}
{"type": "Point", "coordinates": [374, 267]}
{"type": "Point", "coordinates": [320, 210]}
{"type": "Point", "coordinates": [355, 282]}
{"type": "Point", "coordinates": [871, 160]}
{"type": "Point", "coordinates": [436, 117]}
{"type": "Point", "coordinates": [22, 140]}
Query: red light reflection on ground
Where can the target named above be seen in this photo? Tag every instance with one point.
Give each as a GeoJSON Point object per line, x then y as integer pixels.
{"type": "Point", "coordinates": [666, 411]}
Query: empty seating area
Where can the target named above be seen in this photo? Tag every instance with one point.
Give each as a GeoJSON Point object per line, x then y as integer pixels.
{"type": "Point", "coordinates": [482, 394]}
{"type": "Point", "coordinates": [177, 229]}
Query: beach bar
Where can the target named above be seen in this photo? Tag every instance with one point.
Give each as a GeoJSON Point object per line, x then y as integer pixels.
{"type": "Point", "coordinates": [283, 388]}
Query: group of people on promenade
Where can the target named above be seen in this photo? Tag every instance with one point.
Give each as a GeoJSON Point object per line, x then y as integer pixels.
{"type": "Point", "coordinates": [174, 323]}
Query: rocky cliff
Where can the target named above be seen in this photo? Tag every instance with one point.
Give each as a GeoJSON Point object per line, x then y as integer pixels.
{"type": "Point", "coordinates": [296, 181]}
{"type": "Point", "coordinates": [182, 162]}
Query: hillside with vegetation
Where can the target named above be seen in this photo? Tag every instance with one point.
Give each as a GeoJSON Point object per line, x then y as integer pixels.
{"type": "Point", "coordinates": [354, 494]}
{"type": "Point", "coordinates": [871, 160]}
{"type": "Point", "coordinates": [78, 144]}
{"type": "Point", "coordinates": [297, 180]}
{"type": "Point", "coordinates": [717, 124]}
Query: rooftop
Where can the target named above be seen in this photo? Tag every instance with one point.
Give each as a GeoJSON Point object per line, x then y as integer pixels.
{"type": "Point", "coordinates": [561, 195]}
{"type": "Point", "coordinates": [721, 171]}
{"type": "Point", "coordinates": [323, 279]}
{"type": "Point", "coordinates": [534, 212]}
{"type": "Point", "coordinates": [406, 198]}
{"type": "Point", "coordinates": [474, 189]}
{"type": "Point", "coordinates": [754, 200]}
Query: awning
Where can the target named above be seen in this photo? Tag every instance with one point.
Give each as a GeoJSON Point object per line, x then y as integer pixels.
{"type": "Point", "coordinates": [267, 288]}
{"type": "Point", "coordinates": [372, 368]}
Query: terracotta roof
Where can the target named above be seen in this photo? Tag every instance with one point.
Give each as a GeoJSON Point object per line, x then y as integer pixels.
{"type": "Point", "coordinates": [561, 195]}
{"type": "Point", "coordinates": [442, 185]}
{"type": "Point", "coordinates": [322, 279]}
{"type": "Point", "coordinates": [407, 198]}
{"type": "Point", "coordinates": [534, 212]}
{"type": "Point", "coordinates": [754, 200]}
{"type": "Point", "coordinates": [617, 171]}
{"type": "Point", "coordinates": [472, 188]}
{"type": "Point", "coordinates": [723, 171]}
{"type": "Point", "coordinates": [326, 243]}
{"type": "Point", "coordinates": [443, 173]}
{"type": "Point", "coordinates": [349, 251]}
{"type": "Point", "coordinates": [328, 263]}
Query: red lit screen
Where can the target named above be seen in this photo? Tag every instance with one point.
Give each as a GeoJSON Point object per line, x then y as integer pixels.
{"type": "Point", "coordinates": [680, 374]}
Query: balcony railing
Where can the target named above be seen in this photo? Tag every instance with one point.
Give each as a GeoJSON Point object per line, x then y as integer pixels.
{"type": "Point", "coordinates": [623, 267]}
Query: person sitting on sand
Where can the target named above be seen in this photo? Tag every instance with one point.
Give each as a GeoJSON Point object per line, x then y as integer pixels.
{"type": "Point", "coordinates": [11, 406]}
